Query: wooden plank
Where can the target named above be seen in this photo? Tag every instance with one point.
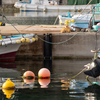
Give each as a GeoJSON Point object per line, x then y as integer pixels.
{"type": "Point", "coordinates": [25, 29]}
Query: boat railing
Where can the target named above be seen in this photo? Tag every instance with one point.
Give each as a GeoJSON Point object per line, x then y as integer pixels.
{"type": "Point", "coordinates": [96, 14]}
{"type": "Point", "coordinates": [15, 37]}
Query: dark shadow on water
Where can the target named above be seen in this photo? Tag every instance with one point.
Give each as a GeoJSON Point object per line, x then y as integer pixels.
{"type": "Point", "coordinates": [48, 64]}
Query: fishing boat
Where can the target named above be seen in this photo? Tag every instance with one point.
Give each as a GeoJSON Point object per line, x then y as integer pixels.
{"type": "Point", "coordinates": [10, 44]}
{"type": "Point", "coordinates": [48, 5]}
{"type": "Point", "coordinates": [77, 20]}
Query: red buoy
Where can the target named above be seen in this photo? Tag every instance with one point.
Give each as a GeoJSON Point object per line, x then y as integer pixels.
{"type": "Point", "coordinates": [28, 75]}
{"type": "Point", "coordinates": [44, 73]}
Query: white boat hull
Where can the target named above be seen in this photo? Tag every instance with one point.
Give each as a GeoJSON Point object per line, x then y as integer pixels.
{"type": "Point", "coordinates": [8, 53]}
{"type": "Point", "coordinates": [9, 48]}
{"type": "Point", "coordinates": [34, 7]}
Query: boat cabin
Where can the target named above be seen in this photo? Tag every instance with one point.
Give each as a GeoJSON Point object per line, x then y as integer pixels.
{"type": "Point", "coordinates": [42, 2]}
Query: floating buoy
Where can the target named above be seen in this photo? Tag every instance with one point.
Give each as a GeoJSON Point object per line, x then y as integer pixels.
{"type": "Point", "coordinates": [8, 92]}
{"type": "Point", "coordinates": [79, 10]}
{"type": "Point", "coordinates": [36, 38]}
{"type": "Point", "coordinates": [28, 81]}
{"type": "Point", "coordinates": [22, 40]}
{"type": "Point", "coordinates": [28, 75]}
{"type": "Point", "coordinates": [27, 40]}
{"type": "Point", "coordinates": [66, 22]}
{"type": "Point", "coordinates": [72, 20]}
{"type": "Point", "coordinates": [44, 82]}
{"type": "Point", "coordinates": [18, 41]}
{"type": "Point", "coordinates": [0, 23]}
{"type": "Point", "coordinates": [8, 84]}
{"type": "Point", "coordinates": [44, 73]}
{"type": "Point", "coordinates": [0, 37]}
{"type": "Point", "coordinates": [13, 41]}
{"type": "Point", "coordinates": [33, 39]}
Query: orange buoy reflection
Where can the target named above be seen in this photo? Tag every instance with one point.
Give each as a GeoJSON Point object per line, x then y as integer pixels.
{"type": "Point", "coordinates": [44, 82]}
{"type": "Point", "coordinates": [44, 73]}
{"type": "Point", "coordinates": [29, 81]}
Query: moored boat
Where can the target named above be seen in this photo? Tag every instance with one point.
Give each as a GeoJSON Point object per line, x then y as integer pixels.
{"type": "Point", "coordinates": [77, 20]}
{"type": "Point", "coordinates": [10, 44]}
{"type": "Point", "coordinates": [48, 5]}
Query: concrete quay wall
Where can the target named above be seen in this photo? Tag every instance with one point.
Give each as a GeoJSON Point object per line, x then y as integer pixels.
{"type": "Point", "coordinates": [78, 47]}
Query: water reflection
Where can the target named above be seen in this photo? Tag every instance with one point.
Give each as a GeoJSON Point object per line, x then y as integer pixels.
{"type": "Point", "coordinates": [43, 14]}
{"type": "Point", "coordinates": [9, 65]}
{"type": "Point", "coordinates": [44, 82]}
{"type": "Point", "coordinates": [92, 92]}
{"type": "Point", "coordinates": [8, 69]}
{"type": "Point", "coordinates": [39, 14]}
{"type": "Point", "coordinates": [28, 81]}
{"type": "Point", "coordinates": [8, 92]}
{"type": "Point", "coordinates": [48, 64]}
{"type": "Point", "coordinates": [57, 87]}
{"type": "Point", "coordinates": [35, 18]}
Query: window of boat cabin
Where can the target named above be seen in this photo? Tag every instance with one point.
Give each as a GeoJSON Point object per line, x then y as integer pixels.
{"type": "Point", "coordinates": [53, 2]}
{"type": "Point", "coordinates": [27, 1]}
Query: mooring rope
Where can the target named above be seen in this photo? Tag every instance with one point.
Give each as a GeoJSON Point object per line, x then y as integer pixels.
{"type": "Point", "coordinates": [40, 37]}
{"type": "Point", "coordinates": [77, 74]}
{"type": "Point", "coordinates": [58, 42]}
{"type": "Point", "coordinates": [56, 19]}
{"type": "Point", "coordinates": [11, 24]}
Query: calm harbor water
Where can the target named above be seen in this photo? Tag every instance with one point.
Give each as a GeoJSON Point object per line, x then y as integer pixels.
{"type": "Point", "coordinates": [57, 87]}
{"type": "Point", "coordinates": [34, 18]}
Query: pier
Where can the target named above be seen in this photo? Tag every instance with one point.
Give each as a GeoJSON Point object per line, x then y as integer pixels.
{"type": "Point", "coordinates": [77, 47]}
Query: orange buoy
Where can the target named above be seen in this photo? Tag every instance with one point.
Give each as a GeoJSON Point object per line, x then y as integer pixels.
{"type": "Point", "coordinates": [28, 75]}
{"type": "Point", "coordinates": [44, 73]}
{"type": "Point", "coordinates": [44, 82]}
{"type": "Point", "coordinates": [28, 81]}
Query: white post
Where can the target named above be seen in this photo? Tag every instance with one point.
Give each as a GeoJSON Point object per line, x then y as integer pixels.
{"type": "Point", "coordinates": [45, 2]}
{"type": "Point", "coordinates": [34, 1]}
{"type": "Point", "coordinates": [24, 7]}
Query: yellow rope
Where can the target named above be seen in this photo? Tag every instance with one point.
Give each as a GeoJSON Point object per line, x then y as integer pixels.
{"type": "Point", "coordinates": [77, 74]}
